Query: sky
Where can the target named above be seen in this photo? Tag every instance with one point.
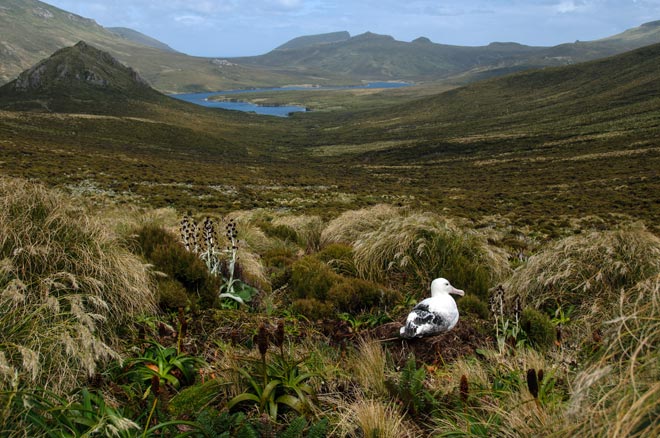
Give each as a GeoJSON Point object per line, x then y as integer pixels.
{"type": "Point", "coordinates": [228, 28]}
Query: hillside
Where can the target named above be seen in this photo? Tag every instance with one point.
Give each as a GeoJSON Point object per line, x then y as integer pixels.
{"type": "Point", "coordinates": [380, 57]}
{"type": "Point", "coordinates": [81, 79]}
{"type": "Point", "coordinates": [33, 30]}
{"type": "Point", "coordinates": [564, 140]}
{"type": "Point", "coordinates": [314, 40]}
{"type": "Point", "coordinates": [140, 38]}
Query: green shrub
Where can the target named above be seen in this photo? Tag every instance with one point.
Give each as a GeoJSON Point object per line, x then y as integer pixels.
{"type": "Point", "coordinates": [472, 305]}
{"type": "Point", "coordinates": [313, 309]}
{"type": "Point", "coordinates": [277, 262]}
{"type": "Point", "coordinates": [339, 257]}
{"type": "Point", "coordinates": [539, 329]}
{"type": "Point", "coordinates": [354, 295]}
{"type": "Point", "coordinates": [164, 251]}
{"type": "Point", "coordinates": [311, 278]}
{"type": "Point", "coordinates": [172, 294]}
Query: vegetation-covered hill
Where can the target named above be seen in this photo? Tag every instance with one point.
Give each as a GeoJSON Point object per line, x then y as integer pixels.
{"type": "Point", "coordinates": [33, 30]}
{"type": "Point", "coordinates": [380, 57]}
{"type": "Point", "coordinates": [541, 146]}
{"type": "Point", "coordinates": [81, 79]}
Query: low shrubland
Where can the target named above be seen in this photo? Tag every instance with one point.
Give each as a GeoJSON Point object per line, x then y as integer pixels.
{"type": "Point", "coordinates": [276, 324]}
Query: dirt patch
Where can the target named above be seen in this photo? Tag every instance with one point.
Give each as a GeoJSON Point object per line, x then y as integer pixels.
{"type": "Point", "coordinates": [468, 335]}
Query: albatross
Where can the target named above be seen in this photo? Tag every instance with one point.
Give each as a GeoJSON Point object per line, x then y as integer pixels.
{"type": "Point", "coordinates": [433, 315]}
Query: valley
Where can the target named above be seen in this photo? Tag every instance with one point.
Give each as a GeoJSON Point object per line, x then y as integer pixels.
{"type": "Point", "coordinates": [175, 269]}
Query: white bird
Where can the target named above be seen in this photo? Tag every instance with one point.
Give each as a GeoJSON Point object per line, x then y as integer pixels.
{"type": "Point", "coordinates": [433, 315]}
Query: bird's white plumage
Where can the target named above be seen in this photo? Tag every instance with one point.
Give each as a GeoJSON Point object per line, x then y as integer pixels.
{"type": "Point", "coordinates": [433, 315]}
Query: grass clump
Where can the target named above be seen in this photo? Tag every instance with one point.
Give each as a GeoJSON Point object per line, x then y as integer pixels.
{"type": "Point", "coordinates": [586, 272]}
{"type": "Point", "coordinates": [67, 287]}
{"type": "Point", "coordinates": [424, 246]}
{"type": "Point", "coordinates": [618, 394]}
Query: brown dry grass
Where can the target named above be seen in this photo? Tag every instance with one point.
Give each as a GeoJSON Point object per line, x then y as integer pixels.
{"type": "Point", "coordinates": [66, 285]}
{"type": "Point", "coordinates": [587, 271]}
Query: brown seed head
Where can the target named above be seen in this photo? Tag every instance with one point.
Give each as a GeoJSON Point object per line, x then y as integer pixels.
{"type": "Point", "coordinates": [278, 336]}
{"type": "Point", "coordinates": [262, 339]}
{"type": "Point", "coordinates": [155, 385]}
{"type": "Point", "coordinates": [464, 388]}
{"type": "Point", "coordinates": [532, 382]}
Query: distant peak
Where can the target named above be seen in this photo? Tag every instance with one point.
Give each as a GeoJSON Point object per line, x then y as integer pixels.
{"type": "Point", "coordinates": [422, 40]}
{"type": "Point", "coordinates": [504, 44]}
{"type": "Point", "coordinates": [79, 66]}
{"type": "Point", "coordinates": [371, 35]}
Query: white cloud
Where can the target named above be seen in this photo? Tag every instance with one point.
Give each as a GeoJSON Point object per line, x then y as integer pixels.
{"type": "Point", "coordinates": [190, 20]}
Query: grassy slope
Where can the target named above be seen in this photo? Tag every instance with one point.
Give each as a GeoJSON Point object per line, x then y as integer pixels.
{"type": "Point", "coordinates": [534, 146]}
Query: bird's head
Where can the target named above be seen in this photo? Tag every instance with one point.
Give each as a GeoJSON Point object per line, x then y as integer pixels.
{"type": "Point", "coordinates": [442, 286]}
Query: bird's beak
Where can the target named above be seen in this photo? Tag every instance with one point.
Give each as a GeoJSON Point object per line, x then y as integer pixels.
{"type": "Point", "coordinates": [457, 291]}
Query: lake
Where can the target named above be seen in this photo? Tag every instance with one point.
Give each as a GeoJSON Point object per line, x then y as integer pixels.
{"type": "Point", "coordinates": [280, 111]}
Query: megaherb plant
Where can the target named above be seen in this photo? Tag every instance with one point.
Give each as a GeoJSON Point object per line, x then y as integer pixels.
{"type": "Point", "coordinates": [159, 367]}
{"type": "Point", "coordinates": [222, 263]}
{"type": "Point", "coordinates": [275, 380]}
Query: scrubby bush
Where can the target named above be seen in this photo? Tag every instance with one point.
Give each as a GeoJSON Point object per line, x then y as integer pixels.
{"type": "Point", "coordinates": [538, 328]}
{"type": "Point", "coordinates": [354, 295]}
{"type": "Point", "coordinates": [311, 278]}
{"type": "Point", "coordinates": [472, 305]}
{"type": "Point", "coordinates": [67, 286]}
{"type": "Point", "coordinates": [313, 309]}
{"type": "Point", "coordinates": [339, 257]}
{"type": "Point", "coordinates": [182, 268]}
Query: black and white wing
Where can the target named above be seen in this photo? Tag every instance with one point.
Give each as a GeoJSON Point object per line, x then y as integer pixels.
{"type": "Point", "coordinates": [422, 321]}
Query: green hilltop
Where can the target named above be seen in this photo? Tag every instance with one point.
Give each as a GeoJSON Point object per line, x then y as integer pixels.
{"type": "Point", "coordinates": [80, 79]}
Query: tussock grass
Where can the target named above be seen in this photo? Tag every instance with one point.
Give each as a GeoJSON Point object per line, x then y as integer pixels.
{"type": "Point", "coordinates": [307, 228]}
{"type": "Point", "coordinates": [67, 285]}
{"type": "Point", "coordinates": [369, 367]}
{"type": "Point", "coordinates": [424, 246]}
{"type": "Point", "coordinates": [350, 225]}
{"type": "Point", "coordinates": [373, 418]}
{"type": "Point", "coordinates": [587, 271]}
{"type": "Point", "coordinates": [618, 395]}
